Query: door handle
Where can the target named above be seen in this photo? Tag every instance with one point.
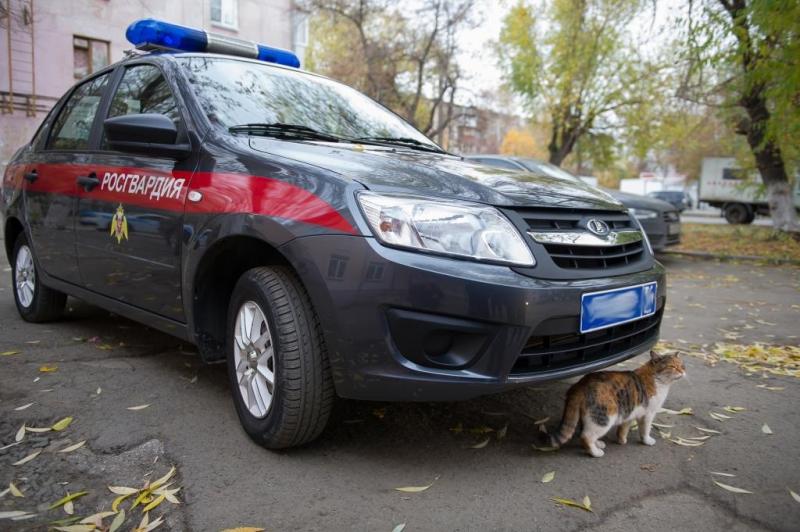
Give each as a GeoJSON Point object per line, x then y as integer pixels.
{"type": "Point", "coordinates": [31, 176]}
{"type": "Point", "coordinates": [88, 182]}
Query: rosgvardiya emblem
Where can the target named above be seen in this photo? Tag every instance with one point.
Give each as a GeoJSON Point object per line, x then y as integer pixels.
{"type": "Point", "coordinates": [119, 225]}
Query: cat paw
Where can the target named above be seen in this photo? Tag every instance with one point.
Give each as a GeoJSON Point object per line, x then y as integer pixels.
{"type": "Point", "coordinates": [622, 441]}
{"type": "Point", "coordinates": [596, 452]}
{"type": "Point", "coordinates": [601, 444]}
{"type": "Point", "coordinates": [649, 440]}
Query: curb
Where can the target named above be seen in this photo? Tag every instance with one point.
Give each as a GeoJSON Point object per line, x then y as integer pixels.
{"type": "Point", "coordinates": [714, 256]}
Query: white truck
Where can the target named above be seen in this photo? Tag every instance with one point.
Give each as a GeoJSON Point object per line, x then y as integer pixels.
{"type": "Point", "coordinates": [740, 195]}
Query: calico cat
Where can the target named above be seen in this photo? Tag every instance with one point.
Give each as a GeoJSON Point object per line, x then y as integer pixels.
{"type": "Point", "coordinates": [606, 399]}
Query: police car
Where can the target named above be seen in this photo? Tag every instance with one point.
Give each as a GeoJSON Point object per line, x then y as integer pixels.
{"type": "Point", "coordinates": [312, 240]}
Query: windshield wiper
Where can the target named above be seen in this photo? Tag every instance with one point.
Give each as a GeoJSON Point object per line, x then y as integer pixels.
{"type": "Point", "coordinates": [403, 141]}
{"type": "Point", "coordinates": [281, 130]}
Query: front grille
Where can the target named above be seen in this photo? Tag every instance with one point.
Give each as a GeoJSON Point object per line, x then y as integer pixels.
{"type": "Point", "coordinates": [560, 351]}
{"type": "Point", "coordinates": [594, 257]}
{"type": "Point", "coordinates": [561, 219]}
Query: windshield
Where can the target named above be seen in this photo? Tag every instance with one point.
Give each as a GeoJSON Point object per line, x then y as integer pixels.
{"type": "Point", "coordinates": [234, 92]}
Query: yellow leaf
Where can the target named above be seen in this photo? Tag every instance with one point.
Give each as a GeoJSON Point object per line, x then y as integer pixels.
{"type": "Point", "coordinates": [697, 438]}
{"type": "Point", "coordinates": [27, 458]}
{"type": "Point", "coordinates": [794, 495]}
{"type": "Point", "coordinates": [69, 508]}
{"type": "Point", "coordinates": [682, 412]}
{"type": "Point", "coordinates": [75, 528]}
{"type": "Point", "coordinates": [73, 447]}
{"type": "Point", "coordinates": [710, 431]}
{"type": "Point", "coordinates": [158, 500]}
{"type": "Point", "coordinates": [481, 444]}
{"type": "Point", "coordinates": [722, 474]}
{"type": "Point", "coordinates": [549, 476]}
{"type": "Point", "coordinates": [765, 429]}
{"type": "Point", "coordinates": [662, 426]}
{"type": "Point", "coordinates": [685, 443]}
{"type": "Point", "coordinates": [122, 490]}
{"type": "Point", "coordinates": [732, 489]}
{"type": "Point", "coordinates": [138, 407]}
{"type": "Point", "coordinates": [399, 528]}
{"type": "Point", "coordinates": [117, 522]}
{"type": "Point", "coordinates": [14, 490]}
{"type": "Point", "coordinates": [38, 429]}
{"type": "Point", "coordinates": [61, 425]}
{"type": "Point", "coordinates": [542, 421]}
{"type": "Point", "coordinates": [9, 353]}
{"type": "Point", "coordinates": [719, 417]}
{"type": "Point", "coordinates": [163, 479]}
{"type": "Point", "coordinates": [570, 502]}
{"type": "Point", "coordinates": [20, 433]}
{"type": "Point", "coordinates": [587, 503]}
{"type": "Point", "coordinates": [48, 368]}
{"type": "Point", "coordinates": [96, 519]}
{"type": "Point", "coordinates": [143, 497]}
{"type": "Point", "coordinates": [416, 489]}
{"type": "Point", "coordinates": [68, 498]}
{"type": "Point", "coordinates": [118, 501]}
{"type": "Point", "coordinates": [245, 529]}
{"type": "Point", "coordinates": [23, 407]}
{"type": "Point", "coordinates": [170, 495]}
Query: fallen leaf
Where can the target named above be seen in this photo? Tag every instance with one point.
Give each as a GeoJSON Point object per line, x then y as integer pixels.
{"type": "Point", "coordinates": [33, 342]}
{"type": "Point", "coordinates": [650, 468]}
{"type": "Point", "coordinates": [157, 483]}
{"type": "Point", "coordinates": [661, 425]}
{"type": "Point", "coordinates": [38, 430]}
{"type": "Point", "coordinates": [4, 447]}
{"type": "Point", "coordinates": [122, 490]}
{"type": "Point", "coordinates": [69, 508]}
{"type": "Point", "coordinates": [482, 429]}
{"type": "Point", "coordinates": [12, 514]}
{"type": "Point", "coordinates": [15, 490]}
{"type": "Point", "coordinates": [416, 489]}
{"type": "Point", "coordinates": [20, 433]}
{"type": "Point", "coordinates": [458, 429]}
{"type": "Point", "coordinates": [73, 447]}
{"type": "Point", "coordinates": [62, 424]}
{"type": "Point", "coordinates": [68, 498]}
{"type": "Point", "coordinates": [794, 495]}
{"type": "Point", "coordinates": [117, 522]}
{"type": "Point", "coordinates": [719, 417]}
{"type": "Point", "coordinates": [8, 354]}
{"type": "Point", "coordinates": [481, 444]}
{"type": "Point", "coordinates": [23, 407]}
{"type": "Point", "coordinates": [256, 529]}
{"type": "Point", "coordinates": [587, 503]}
{"type": "Point", "coordinates": [502, 432]}
{"type": "Point", "coordinates": [697, 438]}
{"type": "Point", "coordinates": [47, 368]}
{"type": "Point", "coordinates": [734, 409]}
{"type": "Point", "coordinates": [765, 429]}
{"type": "Point", "coordinates": [542, 421]}
{"type": "Point", "coordinates": [549, 476]}
{"type": "Point", "coordinates": [98, 391]}
{"type": "Point", "coordinates": [97, 519]}
{"type": "Point", "coordinates": [722, 474]}
{"type": "Point", "coordinates": [710, 431]}
{"type": "Point", "coordinates": [158, 500]}
{"type": "Point", "coordinates": [685, 443]}
{"type": "Point", "coordinates": [27, 458]}
{"type": "Point", "coordinates": [138, 407]}
{"type": "Point", "coordinates": [544, 449]}
{"type": "Point", "coordinates": [732, 489]}
{"type": "Point", "coordinates": [75, 528]}
{"type": "Point", "coordinates": [398, 528]}
{"type": "Point", "coordinates": [118, 501]}
{"type": "Point", "coordinates": [570, 502]}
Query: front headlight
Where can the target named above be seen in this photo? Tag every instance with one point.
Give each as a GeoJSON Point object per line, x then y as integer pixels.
{"type": "Point", "coordinates": [643, 214]}
{"type": "Point", "coordinates": [451, 227]}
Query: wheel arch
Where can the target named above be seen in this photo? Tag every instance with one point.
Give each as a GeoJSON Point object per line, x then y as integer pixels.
{"type": "Point", "coordinates": [11, 231]}
{"type": "Point", "coordinates": [212, 282]}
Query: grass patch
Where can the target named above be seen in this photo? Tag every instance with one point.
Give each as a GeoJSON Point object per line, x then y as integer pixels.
{"type": "Point", "coordinates": [738, 240]}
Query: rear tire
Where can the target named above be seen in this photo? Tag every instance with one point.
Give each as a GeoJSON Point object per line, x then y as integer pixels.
{"type": "Point", "coordinates": [279, 374]}
{"type": "Point", "coordinates": [738, 213]}
{"type": "Point", "coordinates": [36, 303]}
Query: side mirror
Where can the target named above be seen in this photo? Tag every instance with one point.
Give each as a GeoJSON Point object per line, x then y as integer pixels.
{"type": "Point", "coordinates": [145, 134]}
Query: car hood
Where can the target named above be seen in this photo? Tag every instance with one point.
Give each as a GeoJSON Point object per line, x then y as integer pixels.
{"type": "Point", "coordinates": [388, 169]}
{"type": "Point", "coordinates": [640, 202]}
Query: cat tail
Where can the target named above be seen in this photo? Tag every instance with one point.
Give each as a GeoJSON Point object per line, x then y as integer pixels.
{"type": "Point", "coordinates": [569, 421]}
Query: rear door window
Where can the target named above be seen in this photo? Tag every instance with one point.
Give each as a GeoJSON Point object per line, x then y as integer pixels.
{"type": "Point", "coordinates": [72, 128]}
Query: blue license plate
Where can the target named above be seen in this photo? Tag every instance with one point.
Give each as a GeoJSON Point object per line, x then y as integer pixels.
{"type": "Point", "coordinates": [613, 307]}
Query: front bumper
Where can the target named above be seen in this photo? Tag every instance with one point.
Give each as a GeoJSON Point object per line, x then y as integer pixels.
{"type": "Point", "coordinates": [662, 233]}
{"type": "Point", "coordinates": [405, 326]}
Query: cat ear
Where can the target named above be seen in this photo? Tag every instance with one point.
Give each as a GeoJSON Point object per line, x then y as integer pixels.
{"type": "Point", "coordinates": [653, 355]}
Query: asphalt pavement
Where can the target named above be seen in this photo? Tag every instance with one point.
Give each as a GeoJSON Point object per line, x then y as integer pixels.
{"type": "Point", "coordinates": [105, 364]}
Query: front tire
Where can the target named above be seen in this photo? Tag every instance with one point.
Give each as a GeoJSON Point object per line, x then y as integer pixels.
{"type": "Point", "coordinates": [35, 302]}
{"type": "Point", "coordinates": [277, 364]}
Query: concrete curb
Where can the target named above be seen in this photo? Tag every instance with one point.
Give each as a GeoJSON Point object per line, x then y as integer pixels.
{"type": "Point", "coordinates": [704, 255]}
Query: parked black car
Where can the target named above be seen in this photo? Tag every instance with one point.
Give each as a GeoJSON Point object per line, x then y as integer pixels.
{"type": "Point", "coordinates": [678, 198]}
{"type": "Point", "coordinates": [314, 241]}
{"type": "Point", "coordinates": [660, 220]}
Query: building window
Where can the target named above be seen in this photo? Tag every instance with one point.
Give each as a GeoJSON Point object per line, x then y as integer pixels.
{"type": "Point", "coordinates": [89, 55]}
{"type": "Point", "coordinates": [225, 13]}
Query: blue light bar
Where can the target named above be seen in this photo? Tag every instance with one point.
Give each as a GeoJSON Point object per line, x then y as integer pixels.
{"type": "Point", "coordinates": [155, 34]}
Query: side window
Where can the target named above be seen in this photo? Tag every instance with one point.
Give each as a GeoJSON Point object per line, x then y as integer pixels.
{"type": "Point", "coordinates": [502, 163]}
{"type": "Point", "coordinates": [732, 173]}
{"type": "Point", "coordinates": [74, 123]}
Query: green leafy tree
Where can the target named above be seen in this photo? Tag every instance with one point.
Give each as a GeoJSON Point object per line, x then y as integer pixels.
{"type": "Point", "coordinates": [577, 66]}
{"type": "Point", "coordinates": [744, 60]}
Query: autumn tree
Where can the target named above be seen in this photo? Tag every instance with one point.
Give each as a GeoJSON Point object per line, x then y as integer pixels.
{"type": "Point", "coordinates": [577, 65]}
{"type": "Point", "coordinates": [743, 59]}
{"type": "Point", "coordinates": [403, 54]}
